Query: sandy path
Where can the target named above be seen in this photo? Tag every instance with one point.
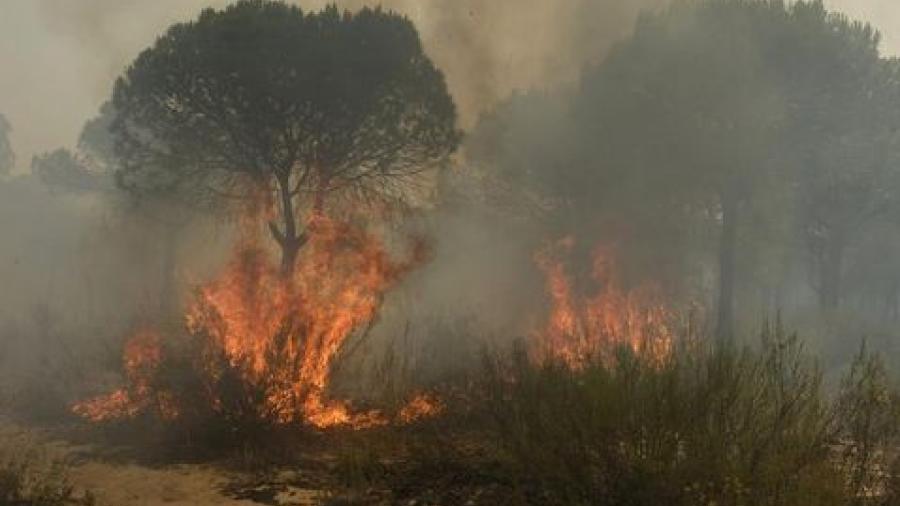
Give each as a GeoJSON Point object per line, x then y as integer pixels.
{"type": "Point", "coordinates": [118, 482]}
{"type": "Point", "coordinates": [115, 485]}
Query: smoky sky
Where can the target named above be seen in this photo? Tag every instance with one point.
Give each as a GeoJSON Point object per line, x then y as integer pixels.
{"type": "Point", "coordinates": [59, 58]}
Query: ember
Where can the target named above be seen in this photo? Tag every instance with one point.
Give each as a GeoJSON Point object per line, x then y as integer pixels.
{"type": "Point", "coordinates": [419, 407]}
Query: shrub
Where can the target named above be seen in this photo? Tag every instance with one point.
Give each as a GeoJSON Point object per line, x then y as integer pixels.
{"type": "Point", "coordinates": [867, 411]}
{"type": "Point", "coordinates": [31, 477]}
{"type": "Point", "coordinates": [708, 425]}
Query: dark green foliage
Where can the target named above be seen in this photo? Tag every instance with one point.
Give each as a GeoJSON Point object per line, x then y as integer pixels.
{"type": "Point", "coordinates": [62, 170]}
{"type": "Point", "coordinates": [264, 99]}
{"type": "Point", "coordinates": [96, 142]}
{"type": "Point", "coordinates": [90, 168]}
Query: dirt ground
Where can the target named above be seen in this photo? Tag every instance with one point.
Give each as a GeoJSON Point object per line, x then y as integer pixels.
{"type": "Point", "coordinates": [115, 480]}
{"type": "Point", "coordinates": [320, 472]}
{"type": "Point", "coordinates": [137, 485]}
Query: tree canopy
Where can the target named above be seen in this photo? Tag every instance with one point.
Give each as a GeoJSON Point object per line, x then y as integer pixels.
{"type": "Point", "coordinates": [843, 140]}
{"type": "Point", "coordinates": [747, 131]}
{"type": "Point", "coordinates": [263, 98]}
{"type": "Point", "coordinates": [90, 167]}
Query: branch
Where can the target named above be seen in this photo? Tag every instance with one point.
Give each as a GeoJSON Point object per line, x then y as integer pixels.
{"type": "Point", "coordinates": [278, 234]}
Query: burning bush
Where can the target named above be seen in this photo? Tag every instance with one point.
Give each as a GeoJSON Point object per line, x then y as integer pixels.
{"type": "Point", "coordinates": [260, 342]}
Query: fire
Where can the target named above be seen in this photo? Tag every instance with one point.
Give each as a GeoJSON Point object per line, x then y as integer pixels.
{"type": "Point", "coordinates": [142, 357]}
{"type": "Point", "coordinates": [263, 341]}
{"type": "Point", "coordinates": [421, 406]}
{"type": "Point", "coordinates": [582, 327]}
{"type": "Point", "coordinates": [279, 332]}
{"type": "Point", "coordinates": [284, 332]}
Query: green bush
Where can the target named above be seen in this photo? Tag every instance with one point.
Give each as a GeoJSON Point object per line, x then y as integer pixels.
{"type": "Point", "coordinates": [709, 425]}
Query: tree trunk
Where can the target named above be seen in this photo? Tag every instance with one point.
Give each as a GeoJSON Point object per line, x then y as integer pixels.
{"type": "Point", "coordinates": [727, 252]}
{"type": "Point", "coordinates": [167, 292]}
{"type": "Point", "coordinates": [169, 303]}
{"type": "Point", "coordinates": [289, 239]}
{"type": "Point", "coordinates": [289, 251]}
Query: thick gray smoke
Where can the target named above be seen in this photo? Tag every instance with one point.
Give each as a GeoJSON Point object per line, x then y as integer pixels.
{"type": "Point", "coordinates": [74, 254]}
{"type": "Point", "coordinates": [60, 58]}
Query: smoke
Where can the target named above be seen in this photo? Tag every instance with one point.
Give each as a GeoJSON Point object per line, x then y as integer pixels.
{"type": "Point", "coordinates": [490, 49]}
{"type": "Point", "coordinates": [61, 58]}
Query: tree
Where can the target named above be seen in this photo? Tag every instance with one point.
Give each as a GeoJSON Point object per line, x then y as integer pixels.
{"type": "Point", "coordinates": [687, 108]}
{"type": "Point", "coordinates": [65, 171]}
{"type": "Point", "coordinates": [263, 99]}
{"type": "Point", "coordinates": [844, 138]}
{"type": "Point", "coordinates": [521, 147]}
{"type": "Point", "coordinates": [544, 159]}
{"type": "Point", "coordinates": [96, 143]}
{"type": "Point", "coordinates": [90, 168]}
{"type": "Point", "coordinates": [7, 156]}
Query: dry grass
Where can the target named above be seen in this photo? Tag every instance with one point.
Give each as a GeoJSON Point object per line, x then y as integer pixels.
{"type": "Point", "coordinates": [32, 475]}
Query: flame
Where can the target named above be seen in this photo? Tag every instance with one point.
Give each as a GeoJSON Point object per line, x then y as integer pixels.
{"type": "Point", "coordinates": [141, 358]}
{"type": "Point", "coordinates": [285, 332]}
{"type": "Point", "coordinates": [581, 328]}
{"type": "Point", "coordinates": [281, 332]}
{"type": "Point", "coordinates": [421, 406]}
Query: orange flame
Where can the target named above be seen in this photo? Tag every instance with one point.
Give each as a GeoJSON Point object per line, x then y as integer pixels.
{"type": "Point", "coordinates": [142, 357]}
{"type": "Point", "coordinates": [281, 332]}
{"type": "Point", "coordinates": [420, 407]}
{"type": "Point", "coordinates": [284, 332]}
{"type": "Point", "coordinates": [581, 328]}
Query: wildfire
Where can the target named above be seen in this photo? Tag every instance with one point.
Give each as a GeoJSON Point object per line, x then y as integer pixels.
{"type": "Point", "coordinates": [280, 333]}
{"type": "Point", "coordinates": [141, 358]}
{"type": "Point", "coordinates": [582, 327]}
{"type": "Point", "coordinates": [419, 407]}
{"type": "Point", "coordinates": [284, 332]}
{"type": "Point", "coordinates": [262, 342]}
